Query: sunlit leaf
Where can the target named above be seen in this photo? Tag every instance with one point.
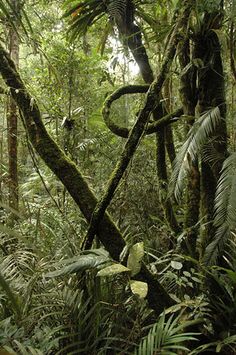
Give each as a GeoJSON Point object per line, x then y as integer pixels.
{"type": "Point", "coordinates": [176, 265]}
{"type": "Point", "coordinates": [135, 257]}
{"type": "Point", "coordinates": [139, 288]}
{"type": "Point", "coordinates": [113, 270]}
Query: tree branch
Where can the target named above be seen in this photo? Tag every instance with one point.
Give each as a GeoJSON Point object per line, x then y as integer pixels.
{"type": "Point", "coordinates": [72, 178]}
{"type": "Point", "coordinates": [124, 131]}
{"type": "Point", "coordinates": [138, 129]}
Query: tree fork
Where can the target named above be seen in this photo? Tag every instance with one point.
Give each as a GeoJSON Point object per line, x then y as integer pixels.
{"type": "Point", "coordinates": [132, 34]}
{"type": "Point", "coordinates": [124, 131]}
{"type": "Point", "coordinates": [72, 178]}
{"type": "Point", "coordinates": [137, 131]}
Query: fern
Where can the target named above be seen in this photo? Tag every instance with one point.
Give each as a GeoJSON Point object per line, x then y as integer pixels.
{"type": "Point", "coordinates": [23, 349]}
{"type": "Point", "coordinates": [197, 137]}
{"type": "Point", "coordinates": [225, 209]}
{"type": "Point", "coordinates": [165, 337]}
{"type": "Point", "coordinates": [117, 9]}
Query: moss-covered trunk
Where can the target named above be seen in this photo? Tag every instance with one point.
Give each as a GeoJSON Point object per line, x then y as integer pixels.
{"type": "Point", "coordinates": [188, 94]}
{"type": "Point", "coordinates": [72, 178]}
{"type": "Point", "coordinates": [151, 104]}
{"type": "Point", "coordinates": [130, 30]}
{"type": "Point", "coordinates": [12, 121]}
{"type": "Point", "coordinates": [211, 88]}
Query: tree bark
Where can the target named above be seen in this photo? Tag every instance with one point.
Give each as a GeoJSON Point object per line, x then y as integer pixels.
{"type": "Point", "coordinates": [211, 88]}
{"type": "Point", "coordinates": [72, 178]}
{"type": "Point", "coordinates": [12, 122]}
{"type": "Point", "coordinates": [188, 94]}
{"type": "Point", "coordinates": [151, 103]}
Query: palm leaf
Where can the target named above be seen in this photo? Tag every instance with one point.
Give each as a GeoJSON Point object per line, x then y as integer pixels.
{"type": "Point", "coordinates": [165, 337]}
{"type": "Point", "coordinates": [11, 296]}
{"type": "Point", "coordinates": [14, 16]}
{"type": "Point", "coordinates": [82, 15]}
{"type": "Point", "coordinates": [225, 209]}
{"type": "Point", "coordinates": [90, 260]}
{"type": "Point", "coordinates": [198, 135]}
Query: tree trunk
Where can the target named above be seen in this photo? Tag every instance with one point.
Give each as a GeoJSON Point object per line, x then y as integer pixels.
{"type": "Point", "coordinates": [130, 31]}
{"type": "Point", "coordinates": [189, 100]}
{"type": "Point", "coordinates": [211, 88]}
{"type": "Point", "coordinates": [12, 121]}
{"type": "Point", "coordinates": [72, 178]}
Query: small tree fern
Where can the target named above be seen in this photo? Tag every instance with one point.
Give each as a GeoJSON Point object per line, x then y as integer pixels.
{"type": "Point", "coordinates": [225, 209]}
{"type": "Point", "coordinates": [198, 135]}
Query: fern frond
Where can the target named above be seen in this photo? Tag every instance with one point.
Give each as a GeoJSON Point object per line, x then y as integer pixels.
{"type": "Point", "coordinates": [198, 135]}
{"type": "Point", "coordinates": [82, 15]}
{"type": "Point", "coordinates": [117, 9]}
{"type": "Point", "coordinates": [165, 337]}
{"type": "Point", "coordinates": [225, 209]}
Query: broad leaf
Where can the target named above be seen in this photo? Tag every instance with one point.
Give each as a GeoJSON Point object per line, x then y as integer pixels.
{"type": "Point", "coordinates": [176, 265]}
{"type": "Point", "coordinates": [135, 258]}
{"type": "Point", "coordinates": [139, 288]}
{"type": "Point", "coordinates": [113, 270]}
{"type": "Point", "coordinates": [90, 260]}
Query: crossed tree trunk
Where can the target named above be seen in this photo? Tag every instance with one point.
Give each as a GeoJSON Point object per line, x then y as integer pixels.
{"type": "Point", "coordinates": [70, 175]}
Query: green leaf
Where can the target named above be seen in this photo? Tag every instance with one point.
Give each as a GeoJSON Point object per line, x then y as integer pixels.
{"type": "Point", "coordinates": [139, 288]}
{"type": "Point", "coordinates": [80, 263]}
{"type": "Point", "coordinates": [11, 295]}
{"type": "Point", "coordinates": [225, 209]}
{"type": "Point", "coordinates": [165, 336]}
{"type": "Point", "coordinates": [176, 265]}
{"type": "Point", "coordinates": [198, 135]}
{"type": "Point", "coordinates": [113, 270]}
{"type": "Point", "coordinates": [135, 257]}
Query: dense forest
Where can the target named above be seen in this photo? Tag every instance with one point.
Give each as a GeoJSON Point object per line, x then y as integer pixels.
{"type": "Point", "coordinates": [117, 177]}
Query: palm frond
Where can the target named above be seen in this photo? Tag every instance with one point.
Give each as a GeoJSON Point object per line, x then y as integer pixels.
{"type": "Point", "coordinates": [225, 209]}
{"type": "Point", "coordinates": [117, 9]}
{"type": "Point", "coordinates": [82, 15]}
{"type": "Point", "coordinates": [165, 337]}
{"type": "Point", "coordinates": [23, 349]}
{"type": "Point", "coordinates": [86, 261]}
{"type": "Point", "coordinates": [198, 135]}
{"type": "Point", "coordinates": [11, 296]}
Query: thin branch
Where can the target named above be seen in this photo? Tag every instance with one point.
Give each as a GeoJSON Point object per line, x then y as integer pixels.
{"type": "Point", "coordinates": [124, 131]}
{"type": "Point", "coordinates": [138, 129]}
{"type": "Point", "coordinates": [72, 178]}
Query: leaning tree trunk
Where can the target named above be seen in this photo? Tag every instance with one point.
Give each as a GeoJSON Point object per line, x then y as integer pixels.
{"type": "Point", "coordinates": [151, 104]}
{"type": "Point", "coordinates": [72, 178]}
{"type": "Point", "coordinates": [12, 119]}
{"type": "Point", "coordinates": [131, 35]}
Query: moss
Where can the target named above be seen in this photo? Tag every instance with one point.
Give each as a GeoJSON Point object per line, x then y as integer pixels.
{"type": "Point", "coordinates": [150, 105]}
{"type": "Point", "coordinates": [72, 178]}
{"type": "Point", "coordinates": [188, 94]}
{"type": "Point", "coordinates": [211, 94]}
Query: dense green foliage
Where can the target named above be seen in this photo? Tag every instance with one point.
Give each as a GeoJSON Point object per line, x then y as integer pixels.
{"type": "Point", "coordinates": [172, 291]}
